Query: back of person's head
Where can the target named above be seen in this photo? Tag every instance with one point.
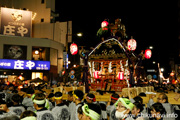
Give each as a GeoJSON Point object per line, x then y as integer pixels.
{"type": "Point", "coordinates": [159, 108]}
{"type": "Point", "coordinates": [142, 94]}
{"type": "Point", "coordinates": [91, 97]}
{"type": "Point", "coordinates": [164, 97]}
{"type": "Point", "coordinates": [70, 93]}
{"type": "Point", "coordinates": [58, 96]}
{"type": "Point", "coordinates": [16, 98]}
{"type": "Point", "coordinates": [114, 96]}
{"type": "Point", "coordinates": [39, 99]}
{"type": "Point", "coordinates": [14, 91]}
{"type": "Point", "coordinates": [79, 94]}
{"type": "Point", "coordinates": [28, 115]}
{"type": "Point", "coordinates": [138, 99]}
{"type": "Point", "coordinates": [138, 106]}
{"type": "Point", "coordinates": [51, 95]}
{"type": "Point", "coordinates": [100, 92]}
{"type": "Point", "coordinates": [92, 110]}
{"type": "Point", "coordinates": [39, 96]}
{"type": "Point", "coordinates": [30, 90]}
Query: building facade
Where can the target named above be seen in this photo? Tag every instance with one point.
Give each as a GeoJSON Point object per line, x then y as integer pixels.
{"type": "Point", "coordinates": [46, 42]}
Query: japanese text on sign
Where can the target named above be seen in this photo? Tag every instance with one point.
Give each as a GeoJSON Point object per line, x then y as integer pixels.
{"type": "Point", "coordinates": [24, 64]}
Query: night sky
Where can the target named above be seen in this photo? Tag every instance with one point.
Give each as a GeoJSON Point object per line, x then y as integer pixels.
{"type": "Point", "coordinates": [151, 23]}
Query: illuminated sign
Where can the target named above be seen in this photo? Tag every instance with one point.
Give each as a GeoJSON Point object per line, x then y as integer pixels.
{"type": "Point", "coordinates": [16, 22]}
{"type": "Point", "coordinates": [24, 64]}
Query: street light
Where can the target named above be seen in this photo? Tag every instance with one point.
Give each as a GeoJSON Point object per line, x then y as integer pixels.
{"type": "Point", "coordinates": [154, 62]}
{"type": "Point", "coordinates": [79, 34]}
{"type": "Point", "coordinates": [151, 47]}
{"type": "Point", "coordinates": [162, 69]}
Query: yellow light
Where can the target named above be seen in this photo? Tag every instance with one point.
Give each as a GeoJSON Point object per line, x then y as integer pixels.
{"type": "Point", "coordinates": [36, 52]}
{"type": "Point", "coordinates": [79, 34]}
{"type": "Point", "coordinates": [34, 15]}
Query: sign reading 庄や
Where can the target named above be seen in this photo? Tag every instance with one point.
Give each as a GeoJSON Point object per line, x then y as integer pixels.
{"type": "Point", "coordinates": [24, 64]}
{"type": "Point", "coordinates": [16, 22]}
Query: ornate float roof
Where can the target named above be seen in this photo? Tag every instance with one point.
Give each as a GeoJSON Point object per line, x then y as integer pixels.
{"type": "Point", "coordinates": [108, 49]}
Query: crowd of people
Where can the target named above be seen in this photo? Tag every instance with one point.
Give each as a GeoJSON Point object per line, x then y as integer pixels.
{"type": "Point", "coordinates": [26, 104]}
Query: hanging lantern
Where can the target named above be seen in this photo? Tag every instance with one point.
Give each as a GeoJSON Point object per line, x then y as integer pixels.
{"type": "Point", "coordinates": [104, 24]}
{"type": "Point", "coordinates": [132, 44]}
{"type": "Point", "coordinates": [121, 75]}
{"type": "Point", "coordinates": [73, 49]}
{"type": "Point", "coordinates": [148, 53]}
{"type": "Point", "coordinates": [172, 74]}
{"type": "Point", "coordinates": [96, 76]}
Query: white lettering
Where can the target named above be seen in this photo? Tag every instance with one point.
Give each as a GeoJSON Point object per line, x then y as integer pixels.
{"type": "Point", "coordinates": [30, 64]}
{"type": "Point", "coordinates": [18, 64]}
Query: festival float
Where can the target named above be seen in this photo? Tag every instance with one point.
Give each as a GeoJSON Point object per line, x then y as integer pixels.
{"type": "Point", "coordinates": [109, 61]}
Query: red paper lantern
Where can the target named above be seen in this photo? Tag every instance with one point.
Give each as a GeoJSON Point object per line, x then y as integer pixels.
{"type": "Point", "coordinates": [121, 75]}
{"type": "Point", "coordinates": [96, 76]}
{"type": "Point", "coordinates": [73, 49]}
{"type": "Point", "coordinates": [104, 24]}
{"type": "Point", "coordinates": [132, 44]}
{"type": "Point", "coordinates": [148, 53]}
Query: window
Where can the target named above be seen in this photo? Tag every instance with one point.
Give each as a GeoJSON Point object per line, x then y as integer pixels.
{"type": "Point", "coordinates": [42, 1]}
{"type": "Point", "coordinates": [42, 19]}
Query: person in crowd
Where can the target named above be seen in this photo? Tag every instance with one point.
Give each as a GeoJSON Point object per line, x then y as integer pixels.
{"type": "Point", "coordinates": [77, 99]}
{"type": "Point", "coordinates": [111, 107]}
{"type": "Point", "coordinates": [60, 111]}
{"type": "Point", "coordinates": [41, 111]}
{"type": "Point", "coordinates": [90, 98]}
{"type": "Point", "coordinates": [4, 110]}
{"type": "Point", "coordinates": [51, 98]}
{"type": "Point", "coordinates": [9, 94]}
{"type": "Point", "coordinates": [163, 99]}
{"type": "Point", "coordinates": [27, 101]}
{"type": "Point", "coordinates": [17, 107]}
{"type": "Point", "coordinates": [123, 109]}
{"type": "Point", "coordinates": [157, 111]}
{"type": "Point", "coordinates": [140, 100]}
{"type": "Point", "coordinates": [136, 111]}
{"type": "Point", "coordinates": [69, 98]}
{"type": "Point", "coordinates": [28, 115]}
{"type": "Point", "coordinates": [89, 111]}
{"type": "Point", "coordinates": [48, 104]}
{"type": "Point", "coordinates": [103, 110]}
{"type": "Point", "coordinates": [71, 105]}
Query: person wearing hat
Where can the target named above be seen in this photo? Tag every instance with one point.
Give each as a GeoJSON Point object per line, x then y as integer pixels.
{"type": "Point", "coordinates": [89, 111]}
{"type": "Point", "coordinates": [17, 107]}
{"type": "Point", "coordinates": [72, 105]}
{"type": "Point", "coordinates": [90, 98]}
{"type": "Point", "coordinates": [27, 101]}
{"type": "Point", "coordinates": [77, 99]}
{"type": "Point", "coordinates": [42, 112]}
{"type": "Point", "coordinates": [123, 108]}
{"type": "Point", "coordinates": [60, 111]}
{"type": "Point", "coordinates": [111, 107]}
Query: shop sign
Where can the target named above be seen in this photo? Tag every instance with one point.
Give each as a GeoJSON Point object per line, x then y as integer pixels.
{"type": "Point", "coordinates": [16, 22]}
{"type": "Point", "coordinates": [24, 64]}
